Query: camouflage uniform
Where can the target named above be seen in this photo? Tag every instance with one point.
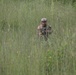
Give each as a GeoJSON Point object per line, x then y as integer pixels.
{"type": "Point", "coordinates": [44, 31]}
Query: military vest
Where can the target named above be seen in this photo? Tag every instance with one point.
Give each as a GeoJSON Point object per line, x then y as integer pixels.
{"type": "Point", "coordinates": [44, 30]}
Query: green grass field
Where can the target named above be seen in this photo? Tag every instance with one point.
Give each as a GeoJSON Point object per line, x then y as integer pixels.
{"type": "Point", "coordinates": [22, 53]}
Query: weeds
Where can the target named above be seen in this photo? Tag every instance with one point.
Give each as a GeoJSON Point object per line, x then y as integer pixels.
{"type": "Point", "coordinates": [20, 51]}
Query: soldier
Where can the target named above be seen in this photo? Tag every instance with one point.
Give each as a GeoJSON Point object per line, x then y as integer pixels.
{"type": "Point", "coordinates": [43, 29]}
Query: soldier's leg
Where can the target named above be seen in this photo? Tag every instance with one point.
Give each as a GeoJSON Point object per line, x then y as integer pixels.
{"type": "Point", "coordinates": [46, 37]}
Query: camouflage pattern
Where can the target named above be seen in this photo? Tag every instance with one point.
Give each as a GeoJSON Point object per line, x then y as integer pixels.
{"type": "Point", "coordinates": [44, 31]}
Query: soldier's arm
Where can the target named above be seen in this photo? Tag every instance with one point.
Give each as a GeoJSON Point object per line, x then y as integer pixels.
{"type": "Point", "coordinates": [50, 30]}
{"type": "Point", "coordinates": [39, 31]}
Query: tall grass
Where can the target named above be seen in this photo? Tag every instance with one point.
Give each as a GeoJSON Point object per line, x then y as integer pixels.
{"type": "Point", "coordinates": [22, 53]}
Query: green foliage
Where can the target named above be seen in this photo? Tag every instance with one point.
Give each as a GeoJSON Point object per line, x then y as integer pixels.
{"type": "Point", "coordinates": [22, 53]}
{"type": "Point", "coordinates": [3, 25]}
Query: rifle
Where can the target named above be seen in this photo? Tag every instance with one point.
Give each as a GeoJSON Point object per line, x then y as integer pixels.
{"type": "Point", "coordinates": [46, 31]}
